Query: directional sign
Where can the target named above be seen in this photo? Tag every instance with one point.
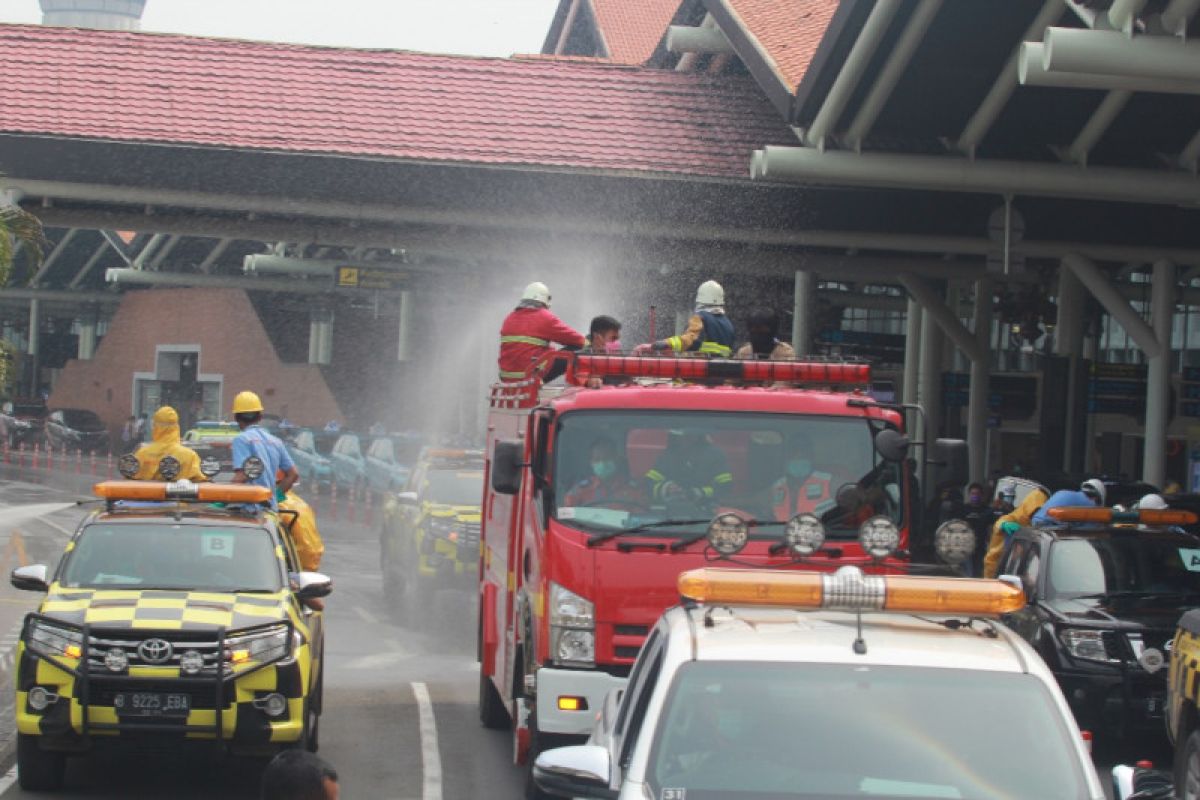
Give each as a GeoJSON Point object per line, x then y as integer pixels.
{"type": "Point", "coordinates": [385, 280]}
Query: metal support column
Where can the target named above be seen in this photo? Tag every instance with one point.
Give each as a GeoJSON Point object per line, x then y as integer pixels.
{"type": "Point", "coordinates": [1158, 381]}
{"type": "Point", "coordinates": [404, 341]}
{"type": "Point", "coordinates": [912, 353]}
{"type": "Point", "coordinates": [1068, 343]}
{"type": "Point", "coordinates": [802, 312]}
{"type": "Point", "coordinates": [930, 383]}
{"type": "Point", "coordinates": [320, 335]}
{"type": "Point", "coordinates": [977, 404]}
{"type": "Point", "coordinates": [87, 335]}
{"type": "Point", "coordinates": [35, 324]}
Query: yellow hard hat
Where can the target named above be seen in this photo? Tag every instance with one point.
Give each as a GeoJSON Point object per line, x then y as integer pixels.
{"type": "Point", "coordinates": [247, 403]}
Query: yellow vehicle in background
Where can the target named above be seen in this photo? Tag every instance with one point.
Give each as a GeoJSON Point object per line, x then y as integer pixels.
{"type": "Point", "coordinates": [429, 536]}
{"type": "Point", "coordinates": [173, 619]}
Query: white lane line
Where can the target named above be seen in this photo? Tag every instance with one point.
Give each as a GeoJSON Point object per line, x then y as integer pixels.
{"type": "Point", "coordinates": [56, 526]}
{"type": "Point", "coordinates": [366, 616]}
{"type": "Point", "coordinates": [431, 761]}
{"type": "Point", "coordinates": [8, 779]}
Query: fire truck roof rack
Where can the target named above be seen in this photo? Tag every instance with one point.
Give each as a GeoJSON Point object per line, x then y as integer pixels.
{"type": "Point", "coordinates": [582, 367]}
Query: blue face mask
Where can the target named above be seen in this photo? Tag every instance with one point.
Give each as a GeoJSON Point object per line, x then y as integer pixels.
{"type": "Point", "coordinates": [604, 469]}
{"type": "Point", "coordinates": [799, 467]}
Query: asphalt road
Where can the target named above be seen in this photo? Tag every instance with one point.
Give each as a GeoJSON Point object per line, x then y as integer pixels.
{"type": "Point", "coordinates": [383, 741]}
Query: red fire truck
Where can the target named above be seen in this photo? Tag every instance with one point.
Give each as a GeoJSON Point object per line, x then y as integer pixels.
{"type": "Point", "coordinates": [597, 498]}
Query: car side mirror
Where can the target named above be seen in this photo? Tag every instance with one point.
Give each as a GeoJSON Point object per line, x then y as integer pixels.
{"type": "Point", "coordinates": [506, 466]}
{"type": "Point", "coordinates": [34, 578]}
{"type": "Point", "coordinates": [1016, 582]}
{"type": "Point", "coordinates": [312, 584]}
{"type": "Point", "coordinates": [892, 445]}
{"type": "Point", "coordinates": [580, 771]}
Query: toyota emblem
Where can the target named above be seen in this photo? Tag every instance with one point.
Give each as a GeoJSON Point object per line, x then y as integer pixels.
{"type": "Point", "coordinates": [155, 651]}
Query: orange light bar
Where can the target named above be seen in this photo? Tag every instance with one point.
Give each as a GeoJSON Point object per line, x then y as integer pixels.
{"type": "Point", "coordinates": [200, 492]}
{"type": "Point", "coordinates": [1147, 516]}
{"type": "Point", "coordinates": [849, 589]}
{"type": "Point", "coordinates": [753, 371]}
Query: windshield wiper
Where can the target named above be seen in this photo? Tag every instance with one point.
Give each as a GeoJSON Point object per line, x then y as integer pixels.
{"type": "Point", "coordinates": [1127, 593]}
{"type": "Point", "coordinates": [597, 538]}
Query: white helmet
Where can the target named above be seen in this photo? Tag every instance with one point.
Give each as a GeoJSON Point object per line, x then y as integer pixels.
{"type": "Point", "coordinates": [1151, 501]}
{"type": "Point", "coordinates": [1094, 488]}
{"type": "Point", "coordinates": [710, 293]}
{"type": "Point", "coordinates": [537, 291]}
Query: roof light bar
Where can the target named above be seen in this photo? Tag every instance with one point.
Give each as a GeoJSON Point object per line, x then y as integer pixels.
{"type": "Point", "coordinates": [737, 370]}
{"type": "Point", "coordinates": [1147, 516]}
{"type": "Point", "coordinates": [849, 589]}
{"type": "Point", "coordinates": [182, 490]}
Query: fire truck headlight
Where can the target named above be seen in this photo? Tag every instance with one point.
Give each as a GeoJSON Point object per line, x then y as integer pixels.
{"type": "Point", "coordinates": [569, 610]}
{"type": "Point", "coordinates": [727, 534]}
{"type": "Point", "coordinates": [954, 541]}
{"type": "Point", "coordinates": [879, 537]}
{"type": "Point", "coordinates": [804, 534]}
{"type": "Point", "coordinates": [577, 648]}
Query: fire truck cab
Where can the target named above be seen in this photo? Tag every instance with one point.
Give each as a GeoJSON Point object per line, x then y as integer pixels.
{"type": "Point", "coordinates": [595, 499]}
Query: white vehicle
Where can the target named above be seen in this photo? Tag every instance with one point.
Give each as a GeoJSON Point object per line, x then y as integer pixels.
{"type": "Point", "coordinates": [768, 684]}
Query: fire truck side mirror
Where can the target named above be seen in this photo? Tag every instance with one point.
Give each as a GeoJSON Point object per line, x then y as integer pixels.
{"type": "Point", "coordinates": [506, 466]}
{"type": "Point", "coordinates": [892, 445]}
{"type": "Point", "coordinates": [950, 460]}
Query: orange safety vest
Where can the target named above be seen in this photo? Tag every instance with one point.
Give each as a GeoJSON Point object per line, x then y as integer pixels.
{"type": "Point", "coordinates": [813, 496]}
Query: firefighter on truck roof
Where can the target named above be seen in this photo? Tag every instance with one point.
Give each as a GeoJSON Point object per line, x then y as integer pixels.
{"type": "Point", "coordinates": [709, 332]}
{"type": "Point", "coordinates": [528, 331]}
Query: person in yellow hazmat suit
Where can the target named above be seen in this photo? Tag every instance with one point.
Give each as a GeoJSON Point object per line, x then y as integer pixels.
{"type": "Point", "coordinates": [305, 536]}
{"type": "Point", "coordinates": [1007, 525]}
{"type": "Point", "coordinates": [165, 442]}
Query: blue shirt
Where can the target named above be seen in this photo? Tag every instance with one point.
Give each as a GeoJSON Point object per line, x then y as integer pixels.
{"type": "Point", "coordinates": [254, 441]}
{"type": "Point", "coordinates": [1061, 499]}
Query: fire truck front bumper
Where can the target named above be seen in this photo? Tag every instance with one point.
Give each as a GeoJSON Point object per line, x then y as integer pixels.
{"type": "Point", "coordinates": [568, 699]}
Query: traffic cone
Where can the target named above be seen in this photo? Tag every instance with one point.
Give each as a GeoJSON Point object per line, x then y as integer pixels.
{"type": "Point", "coordinates": [37, 452]}
{"type": "Point", "coordinates": [21, 454]}
{"type": "Point", "coordinates": [350, 508]}
{"type": "Point", "coordinates": [108, 469]}
{"type": "Point", "coordinates": [333, 502]}
{"type": "Point", "coordinates": [79, 462]}
{"type": "Point", "coordinates": [369, 510]}
{"type": "Point", "coordinates": [93, 459]}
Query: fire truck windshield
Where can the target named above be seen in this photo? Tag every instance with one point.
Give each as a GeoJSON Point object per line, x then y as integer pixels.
{"type": "Point", "coordinates": [648, 469]}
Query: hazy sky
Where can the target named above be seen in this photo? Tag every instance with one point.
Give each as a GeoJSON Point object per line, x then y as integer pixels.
{"type": "Point", "coordinates": [477, 27]}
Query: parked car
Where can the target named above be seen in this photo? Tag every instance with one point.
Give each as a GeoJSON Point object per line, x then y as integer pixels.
{"type": "Point", "coordinates": [349, 466]}
{"type": "Point", "coordinates": [213, 440]}
{"type": "Point", "coordinates": [316, 469]}
{"type": "Point", "coordinates": [75, 429]}
{"type": "Point", "coordinates": [24, 421]}
{"type": "Point", "coordinates": [1104, 600]}
{"type": "Point", "coordinates": [389, 462]}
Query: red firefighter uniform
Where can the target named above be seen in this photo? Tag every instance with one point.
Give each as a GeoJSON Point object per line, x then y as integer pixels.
{"type": "Point", "coordinates": [811, 496]}
{"type": "Point", "coordinates": [615, 493]}
{"type": "Point", "coordinates": [526, 336]}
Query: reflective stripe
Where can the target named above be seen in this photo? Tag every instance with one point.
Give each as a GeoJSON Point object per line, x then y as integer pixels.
{"type": "Point", "coordinates": [724, 477]}
{"type": "Point", "coordinates": [507, 374]}
{"type": "Point", "coordinates": [675, 343]}
{"type": "Point", "coordinates": [714, 349]}
{"type": "Point", "coordinates": [524, 340]}
{"type": "Point", "coordinates": [709, 491]}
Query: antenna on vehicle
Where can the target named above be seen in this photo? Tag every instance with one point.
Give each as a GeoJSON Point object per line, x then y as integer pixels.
{"type": "Point", "coordinates": [860, 644]}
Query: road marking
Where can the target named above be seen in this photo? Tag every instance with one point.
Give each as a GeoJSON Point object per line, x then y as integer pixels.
{"type": "Point", "coordinates": [15, 548]}
{"type": "Point", "coordinates": [367, 616]}
{"type": "Point", "coordinates": [431, 762]}
{"type": "Point", "coordinates": [56, 526]}
{"type": "Point", "coordinates": [8, 779]}
{"type": "Point", "coordinates": [376, 660]}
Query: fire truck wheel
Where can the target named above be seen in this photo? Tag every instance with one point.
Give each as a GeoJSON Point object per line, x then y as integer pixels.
{"type": "Point", "coordinates": [539, 743]}
{"type": "Point", "coordinates": [492, 713]}
{"type": "Point", "coordinates": [38, 770]}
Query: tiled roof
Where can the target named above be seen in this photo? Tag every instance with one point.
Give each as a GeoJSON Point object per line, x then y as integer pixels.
{"type": "Point", "coordinates": [633, 28]}
{"type": "Point", "coordinates": [788, 31]}
{"type": "Point", "coordinates": [138, 87]}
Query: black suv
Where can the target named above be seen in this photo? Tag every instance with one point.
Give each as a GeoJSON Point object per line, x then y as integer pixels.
{"type": "Point", "coordinates": [1103, 604]}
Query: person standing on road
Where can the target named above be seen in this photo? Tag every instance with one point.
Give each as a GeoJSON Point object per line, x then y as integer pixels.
{"type": "Point", "coordinates": [709, 332]}
{"type": "Point", "coordinates": [980, 516]}
{"type": "Point", "coordinates": [165, 442]}
{"type": "Point", "coordinates": [527, 333]}
{"type": "Point", "coordinates": [299, 775]}
{"type": "Point", "coordinates": [255, 441]}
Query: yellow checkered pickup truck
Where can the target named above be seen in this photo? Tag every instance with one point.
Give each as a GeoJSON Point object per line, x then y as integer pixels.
{"type": "Point", "coordinates": [176, 612]}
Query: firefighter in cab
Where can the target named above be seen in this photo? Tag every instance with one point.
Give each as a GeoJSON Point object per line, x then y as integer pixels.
{"type": "Point", "coordinates": [609, 484]}
{"type": "Point", "coordinates": [529, 330]}
{"type": "Point", "coordinates": [165, 442]}
{"type": "Point", "coordinates": [691, 472]}
{"type": "Point", "coordinates": [709, 332]}
{"type": "Point", "coordinates": [801, 490]}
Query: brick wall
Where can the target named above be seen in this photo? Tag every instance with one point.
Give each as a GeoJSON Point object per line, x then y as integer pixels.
{"type": "Point", "coordinates": [232, 344]}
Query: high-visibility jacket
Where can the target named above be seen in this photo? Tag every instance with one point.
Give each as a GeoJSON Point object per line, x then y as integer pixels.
{"type": "Point", "coordinates": [165, 442]}
{"type": "Point", "coordinates": [707, 333]}
{"type": "Point", "coordinates": [526, 336]}
{"type": "Point", "coordinates": [305, 536]}
{"type": "Point", "coordinates": [620, 492]}
{"type": "Point", "coordinates": [704, 469]}
{"type": "Point", "coordinates": [812, 496]}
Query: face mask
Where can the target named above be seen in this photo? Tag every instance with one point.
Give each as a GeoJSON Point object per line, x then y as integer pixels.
{"type": "Point", "coordinates": [975, 499]}
{"type": "Point", "coordinates": [604, 469]}
{"type": "Point", "coordinates": [613, 347]}
{"type": "Point", "coordinates": [799, 467]}
{"type": "Point", "coordinates": [762, 342]}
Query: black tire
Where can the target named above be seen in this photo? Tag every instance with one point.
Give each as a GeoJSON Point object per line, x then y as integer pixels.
{"type": "Point", "coordinates": [493, 715]}
{"type": "Point", "coordinates": [312, 728]}
{"type": "Point", "coordinates": [1187, 766]}
{"type": "Point", "coordinates": [38, 770]}
{"type": "Point", "coordinates": [410, 589]}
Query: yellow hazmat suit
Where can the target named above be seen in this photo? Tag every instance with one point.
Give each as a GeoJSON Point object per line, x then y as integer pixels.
{"type": "Point", "coordinates": [1023, 516]}
{"type": "Point", "coordinates": [309, 547]}
{"type": "Point", "coordinates": [165, 442]}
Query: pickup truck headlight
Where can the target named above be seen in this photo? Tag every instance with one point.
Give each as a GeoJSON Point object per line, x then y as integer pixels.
{"type": "Point", "coordinates": [572, 628]}
{"type": "Point", "coordinates": [1086, 644]}
{"type": "Point", "coordinates": [58, 641]}
{"type": "Point", "coordinates": [444, 528]}
{"type": "Point", "coordinates": [261, 646]}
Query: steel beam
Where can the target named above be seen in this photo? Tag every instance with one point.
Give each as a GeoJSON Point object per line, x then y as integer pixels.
{"type": "Point", "coordinates": [1098, 284]}
{"type": "Point", "coordinates": [1122, 14]}
{"type": "Point", "coordinates": [52, 259]}
{"type": "Point", "coordinates": [1111, 53]}
{"type": "Point", "coordinates": [912, 351]}
{"type": "Point", "coordinates": [1158, 374]}
{"type": "Point", "coordinates": [1032, 72]}
{"type": "Point", "coordinates": [700, 40]}
{"type": "Point", "coordinates": [802, 312]}
{"type": "Point", "coordinates": [145, 278]}
{"type": "Point", "coordinates": [86, 269]}
{"type": "Point", "coordinates": [1176, 15]}
{"type": "Point", "coordinates": [218, 250]}
{"type": "Point", "coordinates": [977, 401]}
{"type": "Point", "coordinates": [936, 309]}
{"type": "Point", "coordinates": [1102, 118]}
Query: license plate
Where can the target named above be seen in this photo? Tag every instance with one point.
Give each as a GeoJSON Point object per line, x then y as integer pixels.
{"type": "Point", "coordinates": [151, 704]}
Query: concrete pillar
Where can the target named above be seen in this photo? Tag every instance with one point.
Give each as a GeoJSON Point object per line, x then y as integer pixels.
{"type": "Point", "coordinates": [35, 324]}
{"type": "Point", "coordinates": [977, 403]}
{"type": "Point", "coordinates": [912, 351]}
{"type": "Point", "coordinates": [87, 336]}
{"type": "Point", "coordinates": [930, 385]}
{"type": "Point", "coordinates": [1068, 343]}
{"type": "Point", "coordinates": [802, 313]}
{"type": "Point", "coordinates": [1158, 379]}
{"type": "Point", "coordinates": [404, 346]}
{"type": "Point", "coordinates": [320, 335]}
